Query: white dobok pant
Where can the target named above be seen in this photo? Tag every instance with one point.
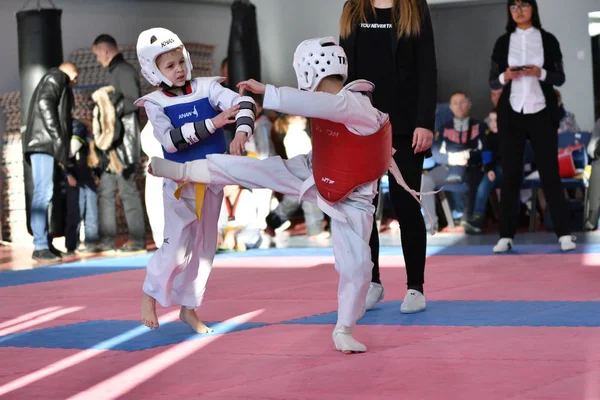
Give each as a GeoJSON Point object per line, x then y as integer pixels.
{"type": "Point", "coordinates": [351, 224]}
{"type": "Point", "coordinates": [179, 270]}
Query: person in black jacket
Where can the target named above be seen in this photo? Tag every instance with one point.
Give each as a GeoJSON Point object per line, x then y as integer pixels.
{"type": "Point", "coordinates": [125, 79]}
{"type": "Point", "coordinates": [390, 43]}
{"type": "Point", "coordinates": [46, 148]}
{"type": "Point", "coordinates": [527, 63]}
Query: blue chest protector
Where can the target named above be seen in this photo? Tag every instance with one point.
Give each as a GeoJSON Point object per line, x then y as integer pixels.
{"type": "Point", "coordinates": [195, 111]}
{"type": "Point", "coordinates": [193, 107]}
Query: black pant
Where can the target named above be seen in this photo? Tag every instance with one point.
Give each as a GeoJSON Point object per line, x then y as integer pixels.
{"type": "Point", "coordinates": [132, 206]}
{"type": "Point", "coordinates": [408, 212]}
{"type": "Point", "coordinates": [543, 135]}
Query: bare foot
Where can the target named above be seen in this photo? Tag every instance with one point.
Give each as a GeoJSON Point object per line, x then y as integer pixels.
{"type": "Point", "coordinates": [190, 318]}
{"type": "Point", "coordinates": [149, 317]}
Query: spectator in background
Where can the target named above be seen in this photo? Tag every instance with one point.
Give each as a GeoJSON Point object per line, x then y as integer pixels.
{"type": "Point", "coordinates": [260, 145]}
{"type": "Point", "coordinates": [567, 119]}
{"type": "Point", "coordinates": [82, 201]}
{"type": "Point", "coordinates": [491, 178]}
{"type": "Point", "coordinates": [46, 147]}
{"type": "Point", "coordinates": [2, 130]}
{"type": "Point", "coordinates": [494, 96]}
{"type": "Point", "coordinates": [527, 63]}
{"type": "Point", "coordinates": [123, 77]}
{"type": "Point", "coordinates": [224, 71]}
{"type": "Point", "coordinates": [238, 222]}
{"type": "Point", "coordinates": [593, 149]}
{"type": "Point", "coordinates": [297, 142]}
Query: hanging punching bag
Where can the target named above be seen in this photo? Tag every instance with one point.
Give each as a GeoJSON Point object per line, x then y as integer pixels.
{"type": "Point", "coordinates": [244, 51]}
{"type": "Point", "coordinates": [40, 49]}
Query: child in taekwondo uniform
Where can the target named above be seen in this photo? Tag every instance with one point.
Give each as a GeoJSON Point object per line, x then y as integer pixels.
{"type": "Point", "coordinates": [187, 120]}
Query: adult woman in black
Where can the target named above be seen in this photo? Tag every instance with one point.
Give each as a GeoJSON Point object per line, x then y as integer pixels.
{"type": "Point", "coordinates": [390, 43]}
{"type": "Point", "coordinates": [527, 63]}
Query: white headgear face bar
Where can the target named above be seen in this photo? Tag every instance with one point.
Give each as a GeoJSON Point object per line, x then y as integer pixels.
{"type": "Point", "coordinates": [151, 44]}
{"type": "Point", "coordinates": [315, 59]}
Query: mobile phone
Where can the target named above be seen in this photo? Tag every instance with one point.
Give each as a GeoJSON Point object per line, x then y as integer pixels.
{"type": "Point", "coordinates": [517, 68]}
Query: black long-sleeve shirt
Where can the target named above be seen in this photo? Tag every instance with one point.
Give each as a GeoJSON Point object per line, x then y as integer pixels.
{"type": "Point", "coordinates": [555, 76]}
{"type": "Point", "coordinates": [403, 69]}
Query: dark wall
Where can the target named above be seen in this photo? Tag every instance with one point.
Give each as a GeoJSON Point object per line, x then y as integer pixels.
{"type": "Point", "coordinates": [465, 37]}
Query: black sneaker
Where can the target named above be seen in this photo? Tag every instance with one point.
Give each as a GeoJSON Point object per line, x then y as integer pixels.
{"type": "Point", "coordinates": [474, 225]}
{"type": "Point", "coordinates": [129, 248]}
{"type": "Point", "coordinates": [56, 252]}
{"type": "Point", "coordinates": [44, 255]}
{"type": "Point", "coordinates": [94, 249]}
{"type": "Point", "coordinates": [70, 253]}
{"type": "Point", "coordinates": [103, 248]}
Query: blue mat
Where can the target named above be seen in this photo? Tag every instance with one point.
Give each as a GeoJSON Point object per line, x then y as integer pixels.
{"type": "Point", "coordinates": [118, 264]}
{"type": "Point", "coordinates": [114, 335]}
{"type": "Point", "coordinates": [49, 274]}
{"type": "Point", "coordinates": [478, 313]}
{"type": "Point", "coordinates": [132, 336]}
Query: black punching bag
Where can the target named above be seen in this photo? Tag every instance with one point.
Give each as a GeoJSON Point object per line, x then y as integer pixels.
{"type": "Point", "coordinates": [40, 49]}
{"type": "Point", "coordinates": [244, 51]}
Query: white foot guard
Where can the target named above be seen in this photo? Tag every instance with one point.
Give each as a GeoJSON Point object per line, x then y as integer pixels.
{"type": "Point", "coordinates": [413, 302]}
{"type": "Point", "coordinates": [503, 245]}
{"type": "Point", "coordinates": [193, 171]}
{"type": "Point", "coordinates": [344, 342]}
{"type": "Point", "coordinates": [567, 243]}
{"type": "Point", "coordinates": [374, 295]}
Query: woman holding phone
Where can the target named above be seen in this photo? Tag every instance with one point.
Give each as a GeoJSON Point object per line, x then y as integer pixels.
{"type": "Point", "coordinates": [527, 64]}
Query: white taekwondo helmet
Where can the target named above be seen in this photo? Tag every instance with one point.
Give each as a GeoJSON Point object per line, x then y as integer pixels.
{"type": "Point", "coordinates": [151, 44]}
{"type": "Point", "coordinates": [315, 59]}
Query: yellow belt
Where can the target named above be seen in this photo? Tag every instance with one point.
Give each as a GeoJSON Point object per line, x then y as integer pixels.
{"type": "Point", "coordinates": [200, 192]}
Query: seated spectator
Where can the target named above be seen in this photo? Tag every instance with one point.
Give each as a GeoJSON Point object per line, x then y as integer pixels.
{"type": "Point", "coordinates": [458, 148]}
{"type": "Point", "coordinates": [491, 179]}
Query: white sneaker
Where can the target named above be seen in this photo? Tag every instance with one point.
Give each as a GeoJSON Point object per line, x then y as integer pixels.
{"type": "Point", "coordinates": [344, 342]}
{"type": "Point", "coordinates": [414, 302]}
{"type": "Point", "coordinates": [567, 243]}
{"type": "Point", "coordinates": [374, 295]}
{"type": "Point", "coordinates": [503, 245]}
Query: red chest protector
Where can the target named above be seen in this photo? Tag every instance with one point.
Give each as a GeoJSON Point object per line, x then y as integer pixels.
{"type": "Point", "coordinates": [342, 160]}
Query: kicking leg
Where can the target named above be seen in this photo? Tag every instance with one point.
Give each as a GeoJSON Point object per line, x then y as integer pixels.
{"type": "Point", "coordinates": [283, 176]}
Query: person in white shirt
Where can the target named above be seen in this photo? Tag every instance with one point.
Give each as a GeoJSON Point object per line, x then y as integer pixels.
{"type": "Point", "coordinates": [527, 64]}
